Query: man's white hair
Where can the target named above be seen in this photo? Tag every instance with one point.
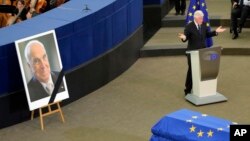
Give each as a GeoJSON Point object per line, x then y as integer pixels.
{"type": "Point", "coordinates": [28, 48]}
{"type": "Point", "coordinates": [198, 13]}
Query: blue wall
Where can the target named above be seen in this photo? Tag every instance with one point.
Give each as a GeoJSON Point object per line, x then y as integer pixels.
{"type": "Point", "coordinates": [82, 35]}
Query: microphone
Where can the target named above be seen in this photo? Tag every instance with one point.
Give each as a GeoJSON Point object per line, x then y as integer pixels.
{"type": "Point", "coordinates": [86, 8]}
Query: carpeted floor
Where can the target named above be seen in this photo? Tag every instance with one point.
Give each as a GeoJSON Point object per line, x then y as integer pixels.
{"type": "Point", "coordinates": [127, 107]}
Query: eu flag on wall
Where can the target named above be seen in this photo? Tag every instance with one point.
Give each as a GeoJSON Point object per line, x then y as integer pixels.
{"type": "Point", "coordinates": [199, 5]}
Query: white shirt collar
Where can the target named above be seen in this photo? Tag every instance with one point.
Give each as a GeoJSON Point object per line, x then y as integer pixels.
{"type": "Point", "coordinates": [196, 24]}
{"type": "Point", "coordinates": [49, 82]}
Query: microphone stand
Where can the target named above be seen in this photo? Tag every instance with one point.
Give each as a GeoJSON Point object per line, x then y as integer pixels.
{"type": "Point", "coordinates": [86, 8]}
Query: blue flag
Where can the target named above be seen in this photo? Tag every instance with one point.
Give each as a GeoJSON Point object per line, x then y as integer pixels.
{"type": "Point", "coordinates": [187, 125]}
{"type": "Point", "coordinates": [199, 5]}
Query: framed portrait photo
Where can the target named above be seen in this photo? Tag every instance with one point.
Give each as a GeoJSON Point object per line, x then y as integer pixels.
{"type": "Point", "coordinates": [40, 65]}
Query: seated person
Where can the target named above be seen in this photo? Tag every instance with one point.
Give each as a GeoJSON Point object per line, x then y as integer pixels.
{"type": "Point", "coordinates": [244, 14]}
{"type": "Point", "coordinates": [53, 4]}
{"type": "Point", "coordinates": [240, 8]}
{"type": "Point", "coordinates": [5, 12]}
{"type": "Point", "coordinates": [20, 13]}
{"type": "Point", "coordinates": [3, 19]}
{"type": "Point", "coordinates": [32, 13]}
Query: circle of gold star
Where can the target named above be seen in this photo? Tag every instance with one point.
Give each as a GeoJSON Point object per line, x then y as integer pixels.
{"type": "Point", "coordinates": [200, 133]}
{"type": "Point", "coordinates": [210, 133]}
{"type": "Point", "coordinates": [192, 129]}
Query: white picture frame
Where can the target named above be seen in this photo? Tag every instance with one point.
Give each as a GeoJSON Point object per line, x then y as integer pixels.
{"type": "Point", "coordinates": [49, 40]}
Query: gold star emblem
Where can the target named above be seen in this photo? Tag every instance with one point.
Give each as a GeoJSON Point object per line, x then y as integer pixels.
{"type": "Point", "coordinates": [208, 24]}
{"type": "Point", "coordinates": [210, 133]}
{"type": "Point", "coordinates": [190, 14]}
{"type": "Point", "coordinates": [192, 129]}
{"type": "Point", "coordinates": [200, 133]}
{"type": "Point", "coordinates": [198, 2]}
{"type": "Point", "coordinates": [203, 4]}
{"type": "Point", "coordinates": [194, 7]}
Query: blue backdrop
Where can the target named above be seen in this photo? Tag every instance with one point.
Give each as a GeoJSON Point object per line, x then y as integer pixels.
{"type": "Point", "coordinates": [82, 35]}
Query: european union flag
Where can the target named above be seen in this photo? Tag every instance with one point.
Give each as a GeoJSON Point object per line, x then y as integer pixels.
{"type": "Point", "coordinates": [187, 125]}
{"type": "Point", "coordinates": [199, 5]}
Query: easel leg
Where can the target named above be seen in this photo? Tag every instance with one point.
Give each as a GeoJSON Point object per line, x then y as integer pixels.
{"type": "Point", "coordinates": [41, 118]}
{"type": "Point", "coordinates": [32, 114]}
{"type": "Point", "coordinates": [60, 110]}
{"type": "Point", "coordinates": [50, 111]}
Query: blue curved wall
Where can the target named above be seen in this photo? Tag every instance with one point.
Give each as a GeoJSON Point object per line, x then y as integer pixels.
{"type": "Point", "coordinates": [82, 35]}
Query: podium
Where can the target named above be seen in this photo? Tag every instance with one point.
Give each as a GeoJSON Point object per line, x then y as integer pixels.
{"type": "Point", "coordinates": [205, 68]}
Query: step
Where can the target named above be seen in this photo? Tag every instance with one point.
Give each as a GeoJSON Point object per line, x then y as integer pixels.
{"type": "Point", "coordinates": [165, 42]}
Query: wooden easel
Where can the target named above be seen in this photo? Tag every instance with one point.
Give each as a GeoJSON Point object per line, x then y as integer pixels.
{"type": "Point", "coordinates": [49, 112]}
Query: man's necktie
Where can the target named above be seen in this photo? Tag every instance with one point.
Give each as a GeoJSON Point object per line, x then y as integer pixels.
{"type": "Point", "coordinates": [199, 28]}
{"type": "Point", "coordinates": [50, 88]}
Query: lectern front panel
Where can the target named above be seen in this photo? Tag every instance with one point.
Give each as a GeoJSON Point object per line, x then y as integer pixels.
{"type": "Point", "coordinates": [209, 62]}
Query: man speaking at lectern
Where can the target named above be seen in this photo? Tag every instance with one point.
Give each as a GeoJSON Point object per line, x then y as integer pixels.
{"type": "Point", "coordinates": [196, 33]}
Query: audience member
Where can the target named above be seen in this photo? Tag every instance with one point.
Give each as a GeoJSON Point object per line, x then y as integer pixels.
{"type": "Point", "coordinates": [32, 11]}
{"type": "Point", "coordinates": [180, 7]}
{"type": "Point", "coordinates": [20, 13]}
{"type": "Point", "coordinates": [240, 8]}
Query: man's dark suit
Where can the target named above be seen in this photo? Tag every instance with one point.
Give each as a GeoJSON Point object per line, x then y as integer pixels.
{"type": "Point", "coordinates": [180, 6]}
{"type": "Point", "coordinates": [36, 90]}
{"type": "Point", "coordinates": [196, 40]}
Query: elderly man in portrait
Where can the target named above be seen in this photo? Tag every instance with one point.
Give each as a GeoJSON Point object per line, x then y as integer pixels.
{"type": "Point", "coordinates": [43, 81]}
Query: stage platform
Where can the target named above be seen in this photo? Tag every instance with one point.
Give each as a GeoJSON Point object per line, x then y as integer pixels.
{"type": "Point", "coordinates": [166, 42]}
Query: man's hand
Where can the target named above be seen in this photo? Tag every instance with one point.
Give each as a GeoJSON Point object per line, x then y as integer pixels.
{"type": "Point", "coordinates": [220, 29]}
{"type": "Point", "coordinates": [182, 36]}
